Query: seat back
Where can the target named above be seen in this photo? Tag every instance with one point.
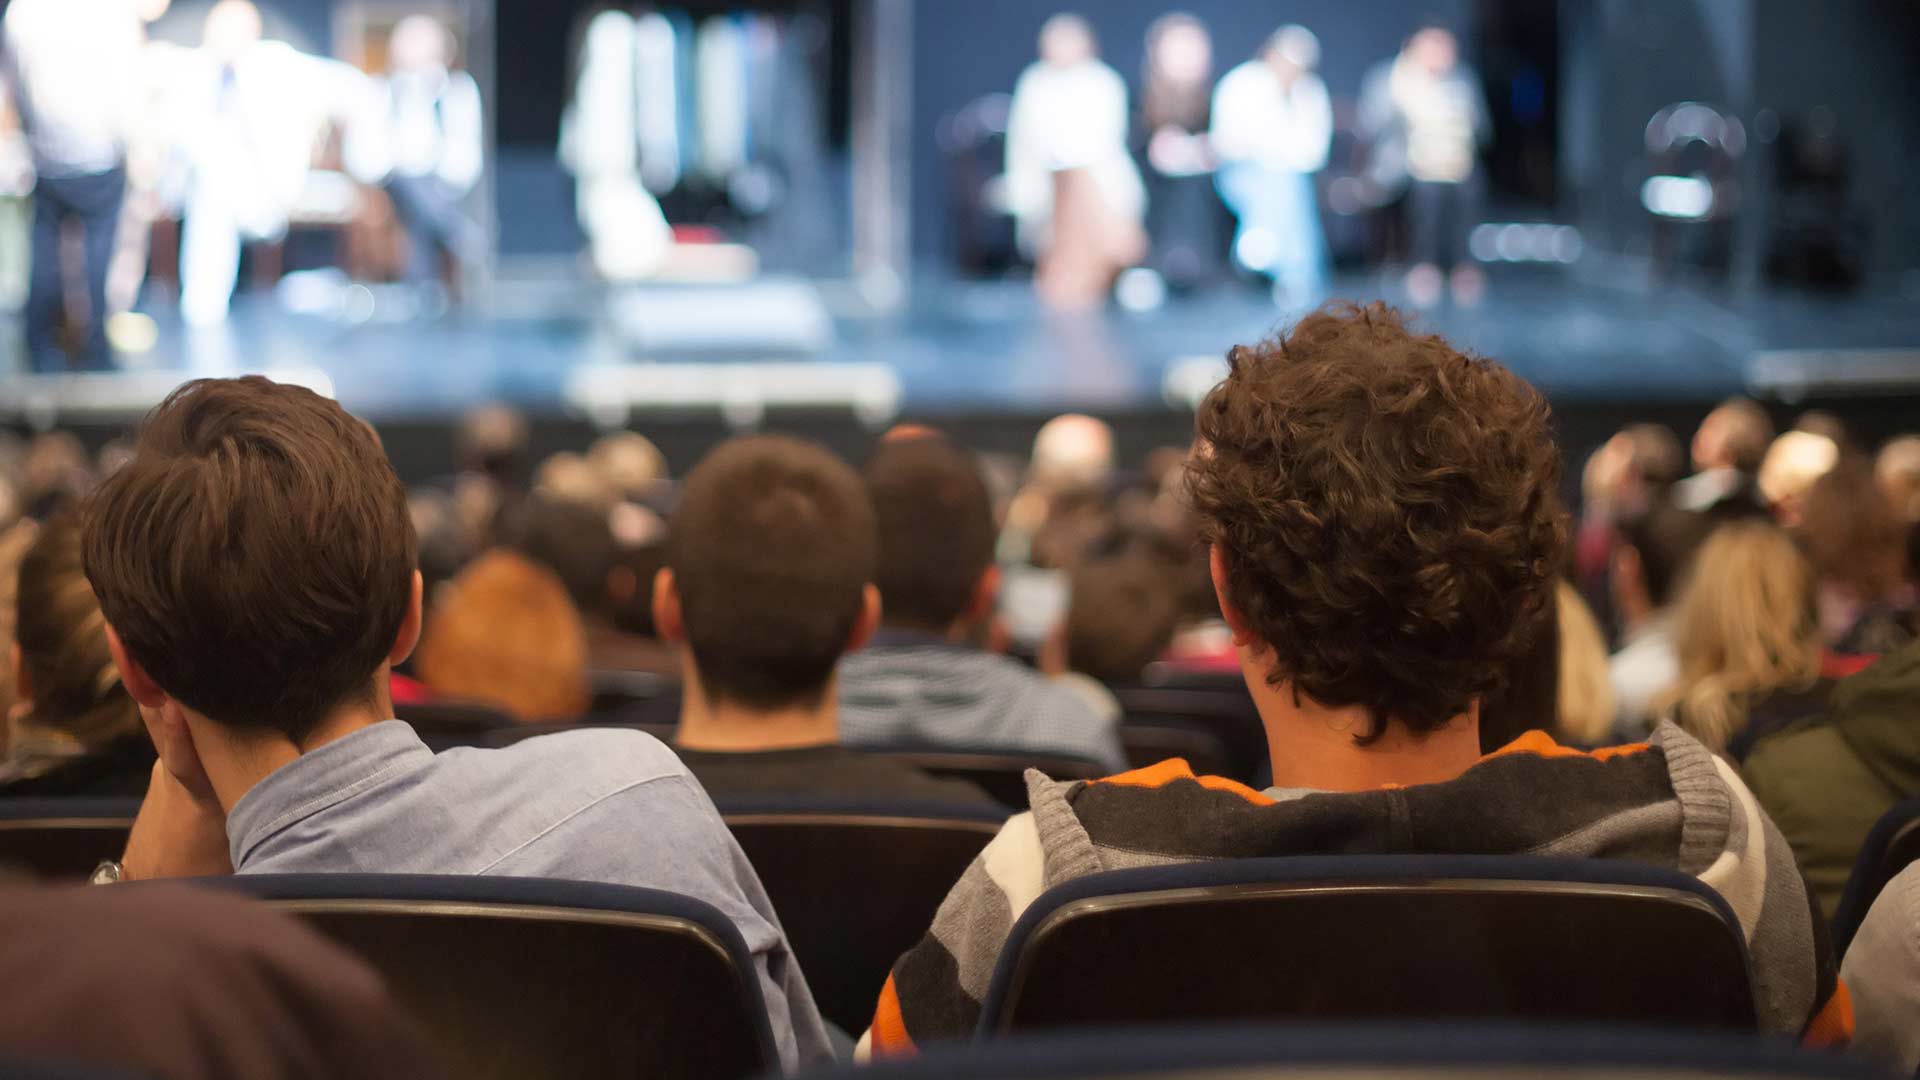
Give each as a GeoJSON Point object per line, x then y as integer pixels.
{"type": "Point", "coordinates": [63, 838]}
{"type": "Point", "coordinates": [1224, 713]}
{"type": "Point", "coordinates": [819, 861]}
{"type": "Point", "coordinates": [521, 732]}
{"type": "Point", "coordinates": [518, 977]}
{"type": "Point", "coordinates": [1003, 776]}
{"type": "Point", "coordinates": [445, 724]}
{"type": "Point", "coordinates": [1891, 846]}
{"type": "Point", "coordinates": [1375, 937]}
{"type": "Point", "coordinates": [1151, 743]}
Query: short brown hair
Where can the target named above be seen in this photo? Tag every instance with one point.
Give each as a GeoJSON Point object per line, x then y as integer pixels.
{"type": "Point", "coordinates": [937, 530]}
{"type": "Point", "coordinates": [255, 556]}
{"type": "Point", "coordinates": [1121, 617]}
{"type": "Point", "coordinates": [772, 548]}
{"type": "Point", "coordinates": [1386, 510]}
{"type": "Point", "coordinates": [503, 631]}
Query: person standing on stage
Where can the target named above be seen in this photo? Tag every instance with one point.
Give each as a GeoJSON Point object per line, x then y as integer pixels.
{"type": "Point", "coordinates": [423, 141]}
{"type": "Point", "coordinates": [1427, 118]}
{"type": "Point", "coordinates": [1183, 216]}
{"type": "Point", "coordinates": [1272, 124]}
{"type": "Point", "coordinates": [1076, 197]}
{"type": "Point", "coordinates": [69, 65]}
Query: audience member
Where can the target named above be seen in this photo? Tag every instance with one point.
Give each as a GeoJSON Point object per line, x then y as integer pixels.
{"type": "Point", "coordinates": [503, 632]}
{"type": "Point", "coordinates": [1829, 777]}
{"type": "Point", "coordinates": [768, 582]}
{"type": "Point", "coordinates": [630, 465]}
{"type": "Point", "coordinates": [74, 731]}
{"type": "Point", "coordinates": [1727, 451]}
{"type": "Point", "coordinates": [1121, 614]}
{"type": "Point", "coordinates": [256, 568]}
{"type": "Point", "coordinates": [1072, 453]}
{"type": "Point", "coordinates": [1583, 704]}
{"type": "Point", "coordinates": [1882, 972]}
{"type": "Point", "coordinates": [924, 682]}
{"type": "Point", "coordinates": [1858, 547]}
{"type": "Point", "coordinates": [177, 983]}
{"type": "Point", "coordinates": [15, 539]}
{"type": "Point", "coordinates": [1384, 533]}
{"type": "Point", "coordinates": [1654, 553]}
{"type": "Point", "coordinates": [1793, 463]}
{"type": "Point", "coordinates": [1625, 479]}
{"type": "Point", "coordinates": [1897, 471]}
{"type": "Point", "coordinates": [1746, 641]}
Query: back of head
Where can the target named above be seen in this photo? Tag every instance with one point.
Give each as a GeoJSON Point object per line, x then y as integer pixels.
{"type": "Point", "coordinates": [1734, 435]}
{"type": "Point", "coordinates": [772, 547]}
{"type": "Point", "coordinates": [1897, 469]}
{"type": "Point", "coordinates": [573, 539]}
{"type": "Point", "coordinates": [73, 684]}
{"type": "Point", "coordinates": [628, 463]}
{"type": "Point", "coordinates": [1384, 508]}
{"type": "Point", "coordinates": [1655, 454]}
{"type": "Point", "coordinates": [1851, 533]}
{"type": "Point", "coordinates": [1744, 624]}
{"type": "Point", "coordinates": [1121, 617]}
{"type": "Point", "coordinates": [1790, 468]}
{"type": "Point", "coordinates": [256, 557]}
{"type": "Point", "coordinates": [936, 531]}
{"type": "Point", "coordinates": [504, 632]}
{"type": "Point", "coordinates": [1665, 538]}
{"type": "Point", "coordinates": [1072, 453]}
{"type": "Point", "coordinates": [493, 440]}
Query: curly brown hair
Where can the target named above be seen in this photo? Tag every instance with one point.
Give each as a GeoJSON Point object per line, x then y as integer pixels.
{"type": "Point", "coordinates": [1386, 509]}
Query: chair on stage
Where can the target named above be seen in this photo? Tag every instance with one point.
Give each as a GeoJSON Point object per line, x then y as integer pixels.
{"type": "Point", "coordinates": [1000, 775]}
{"type": "Point", "coordinates": [1891, 846]}
{"type": "Point", "coordinates": [856, 883]}
{"type": "Point", "coordinates": [523, 977]}
{"type": "Point", "coordinates": [1393, 1051]}
{"type": "Point", "coordinates": [1403, 938]}
{"type": "Point", "coordinates": [63, 838]}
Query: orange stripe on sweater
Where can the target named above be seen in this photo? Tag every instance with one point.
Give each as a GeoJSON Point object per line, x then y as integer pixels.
{"type": "Point", "coordinates": [1832, 1026]}
{"type": "Point", "coordinates": [1541, 743]}
{"type": "Point", "coordinates": [890, 1038]}
{"type": "Point", "coordinates": [1172, 769]}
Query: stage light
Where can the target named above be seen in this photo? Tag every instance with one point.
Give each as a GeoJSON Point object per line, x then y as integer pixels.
{"type": "Point", "coordinates": [1256, 249]}
{"type": "Point", "coordinates": [1483, 243]}
{"type": "Point", "coordinates": [1140, 290]}
{"type": "Point", "coordinates": [1689, 198]}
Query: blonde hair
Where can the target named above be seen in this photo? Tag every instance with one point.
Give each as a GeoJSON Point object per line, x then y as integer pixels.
{"type": "Point", "coordinates": [1744, 625]}
{"type": "Point", "coordinates": [504, 632]}
{"type": "Point", "coordinates": [1585, 696]}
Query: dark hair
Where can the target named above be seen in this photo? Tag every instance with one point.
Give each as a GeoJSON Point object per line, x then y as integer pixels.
{"type": "Point", "coordinates": [1386, 510]}
{"type": "Point", "coordinates": [255, 557]}
{"type": "Point", "coordinates": [937, 530]}
{"type": "Point", "coordinates": [568, 537]}
{"type": "Point", "coordinates": [772, 547]}
{"type": "Point", "coordinates": [1851, 533]}
{"type": "Point", "coordinates": [63, 642]}
{"type": "Point", "coordinates": [1665, 538]}
{"type": "Point", "coordinates": [1121, 617]}
{"type": "Point", "coordinates": [1748, 431]}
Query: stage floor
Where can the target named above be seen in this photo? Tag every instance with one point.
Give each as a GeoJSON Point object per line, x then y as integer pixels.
{"type": "Point", "coordinates": [554, 345]}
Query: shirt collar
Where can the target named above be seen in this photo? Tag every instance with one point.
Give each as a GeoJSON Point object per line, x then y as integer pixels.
{"type": "Point", "coordinates": [893, 637]}
{"type": "Point", "coordinates": [321, 778]}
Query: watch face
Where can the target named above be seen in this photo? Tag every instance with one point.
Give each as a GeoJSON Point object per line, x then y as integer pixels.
{"type": "Point", "coordinates": [107, 873]}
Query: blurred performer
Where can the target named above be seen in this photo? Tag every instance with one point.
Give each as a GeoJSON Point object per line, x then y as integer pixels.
{"type": "Point", "coordinates": [65, 59]}
{"type": "Point", "coordinates": [1272, 124]}
{"type": "Point", "coordinates": [1426, 117]}
{"type": "Point", "coordinates": [250, 120]}
{"type": "Point", "coordinates": [601, 143]}
{"type": "Point", "coordinates": [164, 69]}
{"type": "Point", "coordinates": [422, 139]}
{"type": "Point", "coordinates": [1182, 214]}
{"type": "Point", "coordinates": [1075, 195]}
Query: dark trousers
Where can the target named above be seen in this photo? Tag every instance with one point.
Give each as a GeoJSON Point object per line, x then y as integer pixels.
{"type": "Point", "coordinates": [93, 201]}
{"type": "Point", "coordinates": [1437, 216]}
{"type": "Point", "coordinates": [431, 215]}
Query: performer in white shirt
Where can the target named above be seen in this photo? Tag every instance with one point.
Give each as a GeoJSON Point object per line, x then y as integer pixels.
{"type": "Point", "coordinates": [70, 70]}
{"type": "Point", "coordinates": [1272, 124]}
{"type": "Point", "coordinates": [422, 139]}
{"type": "Point", "coordinates": [612, 138]}
{"type": "Point", "coordinates": [1067, 130]}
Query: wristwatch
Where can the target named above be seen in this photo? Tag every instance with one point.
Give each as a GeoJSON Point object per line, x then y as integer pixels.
{"type": "Point", "coordinates": [109, 872]}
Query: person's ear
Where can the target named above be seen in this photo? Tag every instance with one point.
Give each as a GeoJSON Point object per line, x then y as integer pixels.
{"type": "Point", "coordinates": [986, 593]}
{"type": "Point", "coordinates": [408, 637]}
{"type": "Point", "coordinates": [140, 686]}
{"type": "Point", "coordinates": [668, 621]}
{"type": "Point", "coordinates": [1236, 622]}
{"type": "Point", "coordinates": [868, 621]}
{"type": "Point", "coordinates": [22, 686]}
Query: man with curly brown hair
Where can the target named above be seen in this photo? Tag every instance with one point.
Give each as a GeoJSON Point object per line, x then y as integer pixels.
{"type": "Point", "coordinates": [1384, 536]}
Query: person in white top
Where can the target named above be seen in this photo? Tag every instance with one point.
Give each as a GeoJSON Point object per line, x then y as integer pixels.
{"type": "Point", "coordinates": [68, 71]}
{"type": "Point", "coordinates": [1272, 123]}
{"type": "Point", "coordinates": [1069, 120]}
{"type": "Point", "coordinates": [616, 149]}
{"type": "Point", "coordinates": [421, 138]}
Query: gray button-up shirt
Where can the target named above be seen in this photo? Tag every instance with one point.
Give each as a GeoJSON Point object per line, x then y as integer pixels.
{"type": "Point", "coordinates": [610, 805]}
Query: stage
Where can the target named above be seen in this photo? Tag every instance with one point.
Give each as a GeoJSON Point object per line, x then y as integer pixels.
{"type": "Point", "coordinates": [1606, 345]}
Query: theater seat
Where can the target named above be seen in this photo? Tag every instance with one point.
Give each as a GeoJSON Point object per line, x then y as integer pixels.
{"type": "Point", "coordinates": [855, 883]}
{"type": "Point", "coordinates": [1892, 846]}
{"type": "Point", "coordinates": [1002, 776]}
{"type": "Point", "coordinates": [524, 977]}
{"type": "Point", "coordinates": [1370, 937]}
{"type": "Point", "coordinates": [1394, 1052]}
{"type": "Point", "coordinates": [63, 839]}
{"type": "Point", "coordinates": [1223, 712]}
{"type": "Point", "coordinates": [446, 724]}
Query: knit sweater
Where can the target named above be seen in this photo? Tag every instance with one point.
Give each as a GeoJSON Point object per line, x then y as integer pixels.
{"type": "Point", "coordinates": [1669, 802]}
